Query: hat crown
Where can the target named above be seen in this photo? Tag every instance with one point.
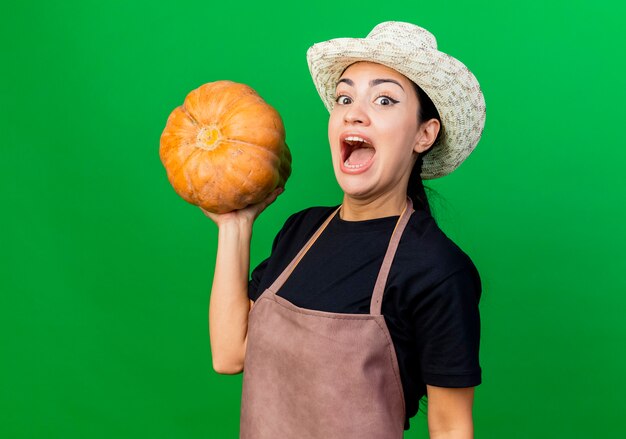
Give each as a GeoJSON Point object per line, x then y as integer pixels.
{"type": "Point", "coordinates": [404, 33]}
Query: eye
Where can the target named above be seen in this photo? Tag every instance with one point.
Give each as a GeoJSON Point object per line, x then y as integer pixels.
{"type": "Point", "coordinates": [343, 100]}
{"type": "Point", "coordinates": [385, 100]}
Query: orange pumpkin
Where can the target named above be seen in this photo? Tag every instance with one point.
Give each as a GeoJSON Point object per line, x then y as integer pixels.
{"type": "Point", "coordinates": [224, 148]}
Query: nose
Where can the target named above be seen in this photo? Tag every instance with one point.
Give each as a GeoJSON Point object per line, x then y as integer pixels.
{"type": "Point", "coordinates": [356, 114]}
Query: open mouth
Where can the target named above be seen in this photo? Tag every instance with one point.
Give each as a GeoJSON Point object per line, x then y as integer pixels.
{"type": "Point", "coordinates": [356, 152]}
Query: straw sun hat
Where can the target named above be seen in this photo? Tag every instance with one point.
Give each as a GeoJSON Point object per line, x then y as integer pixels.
{"type": "Point", "coordinates": [412, 51]}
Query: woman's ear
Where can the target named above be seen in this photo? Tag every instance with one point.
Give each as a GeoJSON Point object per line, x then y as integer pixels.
{"type": "Point", "coordinates": [426, 135]}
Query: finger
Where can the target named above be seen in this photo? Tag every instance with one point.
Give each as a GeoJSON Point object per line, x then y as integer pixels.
{"type": "Point", "coordinates": [273, 195]}
{"type": "Point", "coordinates": [208, 214]}
{"type": "Point", "coordinates": [269, 199]}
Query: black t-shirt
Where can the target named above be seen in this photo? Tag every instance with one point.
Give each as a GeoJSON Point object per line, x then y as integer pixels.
{"type": "Point", "coordinates": [430, 301]}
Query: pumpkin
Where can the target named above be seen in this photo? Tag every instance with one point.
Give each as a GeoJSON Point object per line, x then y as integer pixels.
{"type": "Point", "coordinates": [224, 148]}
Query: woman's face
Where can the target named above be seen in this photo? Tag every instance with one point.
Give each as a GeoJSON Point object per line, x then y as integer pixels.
{"type": "Point", "coordinates": [373, 131]}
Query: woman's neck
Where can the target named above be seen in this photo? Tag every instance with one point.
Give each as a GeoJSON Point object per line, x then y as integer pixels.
{"type": "Point", "coordinates": [356, 209]}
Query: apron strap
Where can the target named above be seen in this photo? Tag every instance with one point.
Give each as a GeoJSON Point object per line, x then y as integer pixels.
{"type": "Point", "coordinates": [381, 281]}
{"type": "Point", "coordinates": [280, 280]}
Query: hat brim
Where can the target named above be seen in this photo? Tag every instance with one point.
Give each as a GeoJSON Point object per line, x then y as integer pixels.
{"type": "Point", "coordinates": [450, 85]}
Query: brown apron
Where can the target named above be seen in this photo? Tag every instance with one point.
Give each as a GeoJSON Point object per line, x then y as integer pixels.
{"type": "Point", "coordinates": [312, 374]}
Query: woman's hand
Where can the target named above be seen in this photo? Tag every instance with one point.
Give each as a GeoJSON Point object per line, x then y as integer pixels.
{"type": "Point", "coordinates": [247, 214]}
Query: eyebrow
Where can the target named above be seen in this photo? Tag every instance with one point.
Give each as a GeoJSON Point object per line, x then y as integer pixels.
{"type": "Point", "coordinates": [373, 82]}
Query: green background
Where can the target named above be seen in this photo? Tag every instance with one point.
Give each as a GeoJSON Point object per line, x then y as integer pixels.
{"type": "Point", "coordinates": [105, 272]}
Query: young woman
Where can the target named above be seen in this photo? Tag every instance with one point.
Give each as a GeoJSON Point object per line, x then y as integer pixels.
{"type": "Point", "coordinates": [363, 308]}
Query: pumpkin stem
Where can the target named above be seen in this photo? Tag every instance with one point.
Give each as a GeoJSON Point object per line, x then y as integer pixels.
{"type": "Point", "coordinates": [208, 137]}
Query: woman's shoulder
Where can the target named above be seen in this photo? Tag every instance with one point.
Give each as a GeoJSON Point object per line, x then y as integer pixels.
{"type": "Point", "coordinates": [430, 266]}
{"type": "Point", "coordinates": [305, 222]}
{"type": "Point", "coordinates": [309, 217]}
{"type": "Point", "coordinates": [428, 246]}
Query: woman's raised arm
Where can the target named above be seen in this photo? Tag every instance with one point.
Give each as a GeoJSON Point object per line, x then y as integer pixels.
{"type": "Point", "coordinates": [229, 304]}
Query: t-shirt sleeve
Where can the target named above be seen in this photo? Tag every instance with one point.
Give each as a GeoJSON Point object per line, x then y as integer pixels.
{"type": "Point", "coordinates": [448, 331]}
{"type": "Point", "coordinates": [255, 280]}
{"type": "Point", "coordinates": [258, 272]}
